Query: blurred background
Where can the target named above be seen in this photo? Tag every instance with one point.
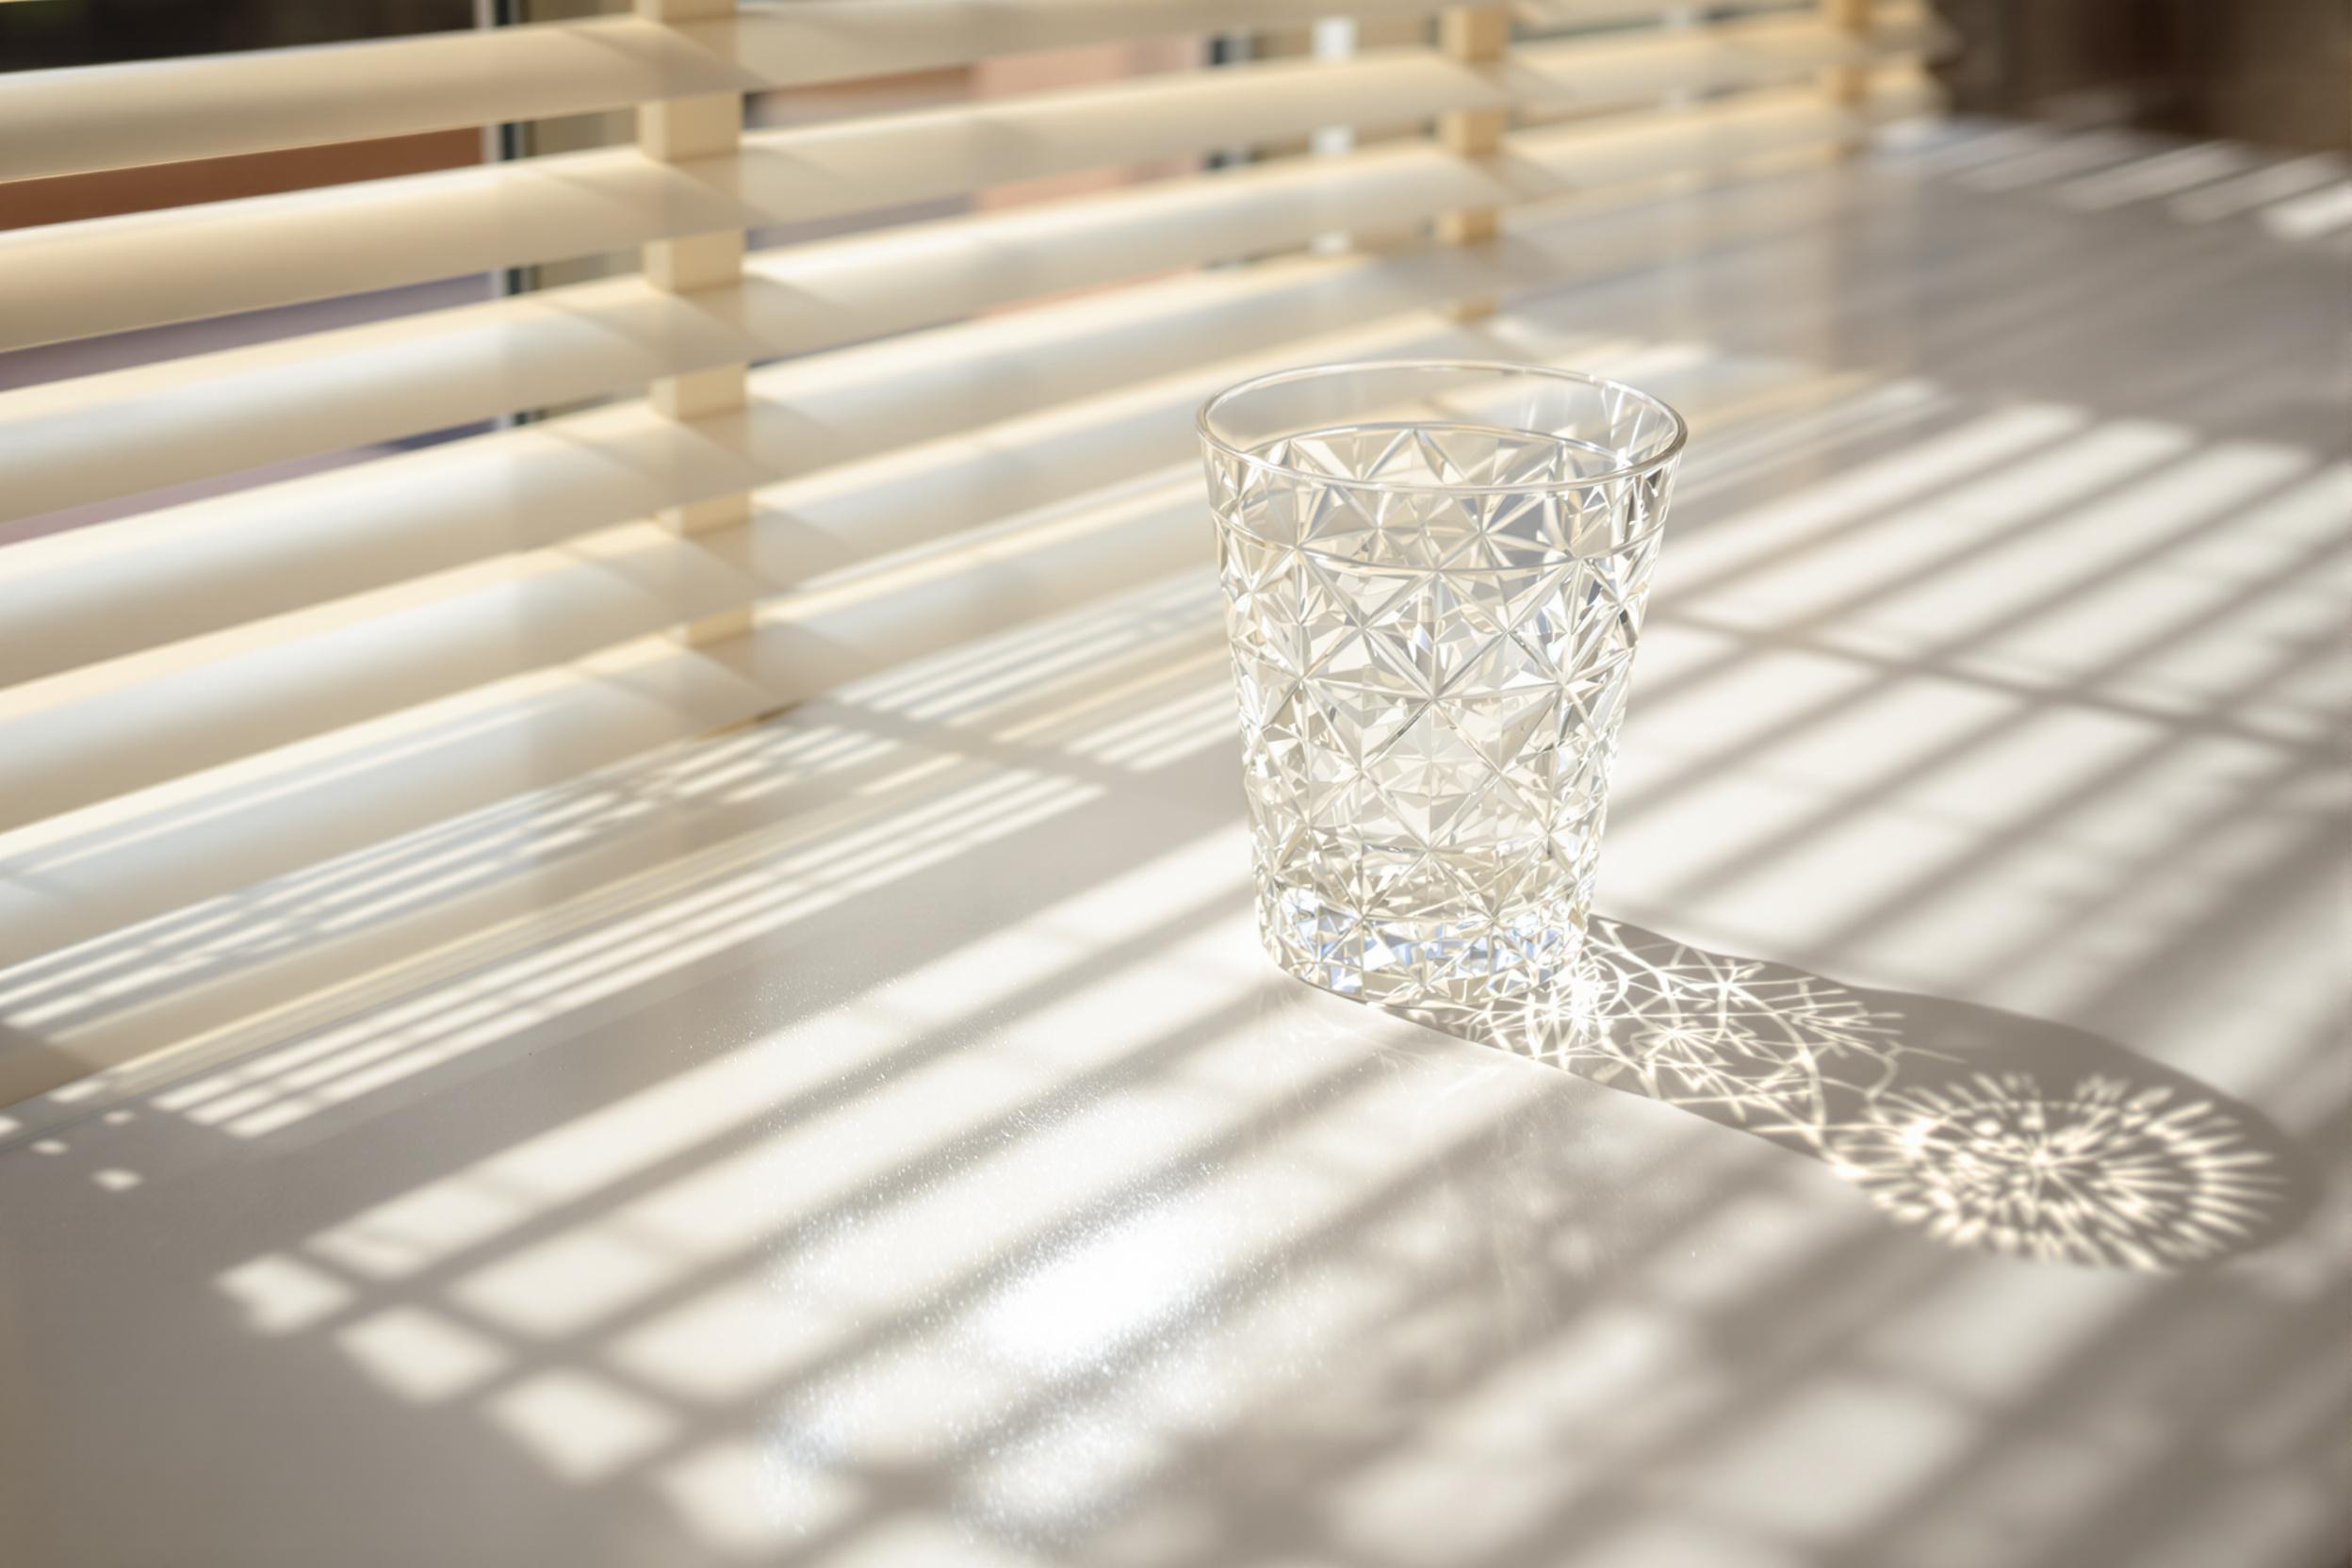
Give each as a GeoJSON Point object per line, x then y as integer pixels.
{"type": "Point", "coordinates": [2267, 70]}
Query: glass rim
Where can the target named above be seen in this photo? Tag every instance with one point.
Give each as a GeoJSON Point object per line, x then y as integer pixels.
{"type": "Point", "coordinates": [1678, 426]}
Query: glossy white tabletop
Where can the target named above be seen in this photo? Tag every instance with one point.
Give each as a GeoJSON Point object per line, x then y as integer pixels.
{"type": "Point", "coordinates": [874, 1137]}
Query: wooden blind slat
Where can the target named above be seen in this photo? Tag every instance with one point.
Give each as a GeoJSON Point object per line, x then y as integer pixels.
{"type": "Point", "coordinates": [97, 117]}
{"type": "Point", "coordinates": [298, 670]}
{"type": "Point", "coordinates": [95, 277]}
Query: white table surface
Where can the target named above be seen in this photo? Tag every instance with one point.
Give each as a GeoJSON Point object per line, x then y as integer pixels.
{"type": "Point", "coordinates": [878, 1141]}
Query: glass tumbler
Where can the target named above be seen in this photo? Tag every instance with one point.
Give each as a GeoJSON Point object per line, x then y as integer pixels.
{"type": "Point", "coordinates": [1434, 576]}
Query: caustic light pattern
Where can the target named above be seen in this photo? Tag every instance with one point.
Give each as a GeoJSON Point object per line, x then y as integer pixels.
{"type": "Point", "coordinates": [2111, 1172]}
{"type": "Point", "coordinates": [2115, 1171]}
{"type": "Point", "coordinates": [1766, 1047]}
{"type": "Point", "coordinates": [1430, 683]}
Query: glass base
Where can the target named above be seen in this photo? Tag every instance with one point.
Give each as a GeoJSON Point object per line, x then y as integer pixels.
{"type": "Point", "coordinates": [1465, 959]}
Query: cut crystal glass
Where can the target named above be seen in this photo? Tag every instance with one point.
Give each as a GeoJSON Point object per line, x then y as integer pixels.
{"type": "Point", "coordinates": [1434, 576]}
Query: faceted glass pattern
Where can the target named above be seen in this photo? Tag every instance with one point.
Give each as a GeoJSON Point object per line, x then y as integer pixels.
{"type": "Point", "coordinates": [1431, 668]}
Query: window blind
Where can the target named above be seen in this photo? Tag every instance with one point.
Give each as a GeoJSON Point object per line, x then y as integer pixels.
{"type": "Point", "coordinates": [801, 464]}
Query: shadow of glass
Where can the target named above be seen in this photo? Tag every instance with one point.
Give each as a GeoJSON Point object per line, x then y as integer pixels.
{"type": "Point", "coordinates": [1988, 1129]}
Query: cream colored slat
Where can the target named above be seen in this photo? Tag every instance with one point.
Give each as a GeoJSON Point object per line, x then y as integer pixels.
{"type": "Point", "coordinates": [845, 291]}
{"type": "Point", "coordinates": [74, 120]}
{"type": "Point", "coordinates": [795, 43]}
{"type": "Point", "coordinates": [103, 437]}
{"type": "Point", "coordinates": [1757, 53]}
{"type": "Point", "coordinates": [540, 609]}
{"type": "Point", "coordinates": [93, 594]}
{"type": "Point", "coordinates": [382, 535]}
{"type": "Point", "coordinates": [101, 594]}
{"type": "Point", "coordinates": [930, 449]}
{"type": "Point", "coordinates": [269, 553]}
{"type": "Point", "coordinates": [850, 165]}
{"type": "Point", "coordinates": [1014, 415]}
{"type": "Point", "coordinates": [803, 648]}
{"type": "Point", "coordinates": [86, 279]}
{"type": "Point", "coordinates": [115, 274]}
{"type": "Point", "coordinates": [80, 280]}
{"type": "Point", "coordinates": [1620, 149]}
{"type": "Point", "coordinates": [1612, 13]}
{"type": "Point", "coordinates": [957, 427]}
{"type": "Point", "coordinates": [99, 437]}
{"type": "Point", "coordinates": [825, 171]}
{"type": "Point", "coordinates": [558, 605]}
{"type": "Point", "coordinates": [135, 429]}
{"type": "Point", "coordinates": [71, 122]}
